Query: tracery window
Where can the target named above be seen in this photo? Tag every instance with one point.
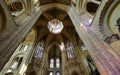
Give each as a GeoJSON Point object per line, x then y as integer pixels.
{"type": "Point", "coordinates": [70, 50]}
{"type": "Point", "coordinates": [57, 63]}
{"type": "Point", "coordinates": [15, 64]}
{"type": "Point", "coordinates": [52, 63]}
{"type": "Point", "coordinates": [39, 50]}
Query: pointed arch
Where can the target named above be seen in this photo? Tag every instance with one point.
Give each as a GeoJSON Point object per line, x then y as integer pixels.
{"type": "Point", "coordinates": [75, 73]}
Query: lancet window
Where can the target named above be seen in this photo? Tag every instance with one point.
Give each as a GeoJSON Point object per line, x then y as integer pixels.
{"type": "Point", "coordinates": [54, 64]}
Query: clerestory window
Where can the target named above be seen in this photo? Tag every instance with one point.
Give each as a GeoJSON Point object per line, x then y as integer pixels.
{"type": "Point", "coordinates": [70, 50]}
{"type": "Point", "coordinates": [39, 50]}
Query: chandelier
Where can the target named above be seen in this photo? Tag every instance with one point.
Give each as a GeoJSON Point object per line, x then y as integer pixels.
{"type": "Point", "coordinates": [55, 26]}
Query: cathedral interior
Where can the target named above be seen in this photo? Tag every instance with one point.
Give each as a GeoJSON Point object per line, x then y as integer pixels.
{"type": "Point", "coordinates": [59, 37]}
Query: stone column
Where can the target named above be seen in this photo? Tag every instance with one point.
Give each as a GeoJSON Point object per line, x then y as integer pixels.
{"type": "Point", "coordinates": [63, 64]}
{"type": "Point", "coordinates": [13, 34]}
{"type": "Point", "coordinates": [82, 61]}
{"type": "Point", "coordinates": [44, 64]}
{"type": "Point", "coordinates": [106, 62]}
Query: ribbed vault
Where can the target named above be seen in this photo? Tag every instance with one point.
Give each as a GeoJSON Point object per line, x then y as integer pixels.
{"type": "Point", "coordinates": [68, 32]}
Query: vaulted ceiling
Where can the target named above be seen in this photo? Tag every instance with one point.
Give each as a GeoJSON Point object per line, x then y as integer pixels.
{"type": "Point", "coordinates": [68, 32]}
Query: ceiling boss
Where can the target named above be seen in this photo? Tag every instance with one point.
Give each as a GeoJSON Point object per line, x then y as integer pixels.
{"type": "Point", "coordinates": [55, 26]}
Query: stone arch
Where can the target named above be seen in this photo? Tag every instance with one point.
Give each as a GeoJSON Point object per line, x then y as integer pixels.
{"type": "Point", "coordinates": [17, 61]}
{"type": "Point", "coordinates": [49, 47]}
{"type": "Point", "coordinates": [108, 18]}
{"type": "Point", "coordinates": [112, 18]}
{"type": "Point", "coordinates": [75, 73]}
{"type": "Point", "coordinates": [54, 57]}
{"type": "Point", "coordinates": [58, 6]}
{"type": "Point", "coordinates": [19, 55]}
{"type": "Point", "coordinates": [32, 73]}
{"type": "Point", "coordinates": [57, 52]}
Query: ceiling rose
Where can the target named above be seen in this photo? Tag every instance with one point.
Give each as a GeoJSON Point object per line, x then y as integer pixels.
{"type": "Point", "coordinates": [55, 26]}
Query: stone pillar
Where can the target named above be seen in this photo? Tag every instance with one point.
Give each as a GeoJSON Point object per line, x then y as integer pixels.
{"type": "Point", "coordinates": [44, 64]}
{"type": "Point", "coordinates": [5, 34]}
{"type": "Point", "coordinates": [82, 61]}
{"type": "Point", "coordinates": [13, 34]}
{"type": "Point", "coordinates": [63, 64]}
{"type": "Point", "coordinates": [106, 62]}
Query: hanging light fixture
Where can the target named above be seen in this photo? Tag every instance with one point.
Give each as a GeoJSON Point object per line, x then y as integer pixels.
{"type": "Point", "coordinates": [55, 26]}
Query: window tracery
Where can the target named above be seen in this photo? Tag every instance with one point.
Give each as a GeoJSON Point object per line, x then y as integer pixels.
{"type": "Point", "coordinates": [57, 63]}
{"type": "Point", "coordinates": [52, 63]}
{"type": "Point", "coordinates": [15, 64]}
{"type": "Point", "coordinates": [70, 50]}
{"type": "Point", "coordinates": [39, 50]}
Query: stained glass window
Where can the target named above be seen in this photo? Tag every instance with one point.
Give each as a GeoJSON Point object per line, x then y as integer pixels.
{"type": "Point", "coordinates": [52, 63]}
{"type": "Point", "coordinates": [57, 63]}
{"type": "Point", "coordinates": [39, 50]}
{"type": "Point", "coordinates": [70, 50]}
